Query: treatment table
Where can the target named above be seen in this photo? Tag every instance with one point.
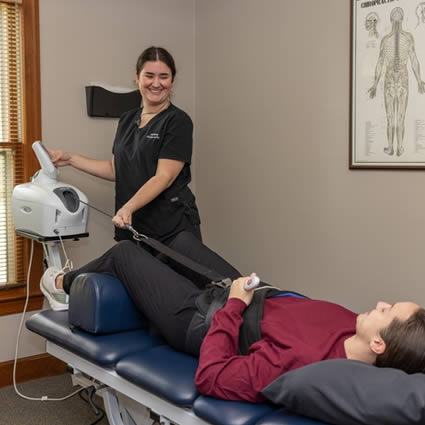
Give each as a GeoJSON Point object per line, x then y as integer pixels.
{"type": "Point", "coordinates": [107, 340]}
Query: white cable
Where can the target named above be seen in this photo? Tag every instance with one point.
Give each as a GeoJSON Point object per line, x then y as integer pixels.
{"type": "Point", "coordinates": [45, 397]}
{"type": "Point", "coordinates": [68, 263]}
{"type": "Point", "coordinates": [267, 287]}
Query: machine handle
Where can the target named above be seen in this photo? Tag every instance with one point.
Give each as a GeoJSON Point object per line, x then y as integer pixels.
{"type": "Point", "coordinates": [44, 159]}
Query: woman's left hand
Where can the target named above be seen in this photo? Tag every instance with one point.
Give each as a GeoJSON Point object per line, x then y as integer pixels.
{"type": "Point", "coordinates": [122, 218]}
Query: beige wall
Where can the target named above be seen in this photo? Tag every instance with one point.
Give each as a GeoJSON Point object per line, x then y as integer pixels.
{"type": "Point", "coordinates": [98, 40]}
{"type": "Point", "coordinates": [276, 194]}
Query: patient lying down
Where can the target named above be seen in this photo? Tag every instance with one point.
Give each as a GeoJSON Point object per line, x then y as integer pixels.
{"type": "Point", "coordinates": [289, 332]}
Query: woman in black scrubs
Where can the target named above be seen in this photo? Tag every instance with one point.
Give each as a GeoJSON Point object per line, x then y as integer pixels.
{"type": "Point", "coordinates": [151, 159]}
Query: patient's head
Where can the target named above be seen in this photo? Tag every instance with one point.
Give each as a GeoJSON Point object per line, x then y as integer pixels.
{"type": "Point", "coordinates": [393, 335]}
{"type": "Point", "coordinates": [404, 343]}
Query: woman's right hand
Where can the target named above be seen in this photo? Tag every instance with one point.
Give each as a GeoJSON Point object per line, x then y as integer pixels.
{"type": "Point", "coordinates": [122, 217]}
{"type": "Point", "coordinates": [60, 158]}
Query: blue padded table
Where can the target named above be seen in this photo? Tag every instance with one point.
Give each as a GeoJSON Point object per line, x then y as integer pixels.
{"type": "Point", "coordinates": [104, 350]}
{"type": "Point", "coordinates": [229, 412]}
{"type": "Point", "coordinates": [159, 369]}
{"type": "Point", "coordinates": [283, 417]}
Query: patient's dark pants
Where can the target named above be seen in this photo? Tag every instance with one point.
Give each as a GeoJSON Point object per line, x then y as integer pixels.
{"type": "Point", "coordinates": [163, 295]}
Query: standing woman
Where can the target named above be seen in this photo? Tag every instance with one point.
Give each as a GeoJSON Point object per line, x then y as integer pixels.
{"type": "Point", "coordinates": [151, 158]}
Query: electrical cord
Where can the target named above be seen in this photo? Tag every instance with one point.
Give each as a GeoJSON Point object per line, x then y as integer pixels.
{"type": "Point", "coordinates": [91, 391]}
{"type": "Point", "coordinates": [262, 288]}
{"type": "Point", "coordinates": [68, 263]}
{"type": "Point", "coordinates": [45, 397]}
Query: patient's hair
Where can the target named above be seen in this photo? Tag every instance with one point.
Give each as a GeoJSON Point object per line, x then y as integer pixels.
{"type": "Point", "coordinates": [405, 344]}
{"type": "Point", "coordinates": [153, 54]}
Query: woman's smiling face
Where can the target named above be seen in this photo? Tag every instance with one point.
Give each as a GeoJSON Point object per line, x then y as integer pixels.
{"type": "Point", "coordinates": [155, 82]}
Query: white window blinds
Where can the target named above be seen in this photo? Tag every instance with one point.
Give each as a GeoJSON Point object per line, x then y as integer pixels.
{"type": "Point", "coordinates": [11, 152]}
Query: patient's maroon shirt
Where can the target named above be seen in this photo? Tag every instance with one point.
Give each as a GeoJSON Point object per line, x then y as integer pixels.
{"type": "Point", "coordinates": [295, 331]}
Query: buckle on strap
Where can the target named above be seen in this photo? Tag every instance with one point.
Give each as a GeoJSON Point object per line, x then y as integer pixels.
{"type": "Point", "coordinates": [136, 235]}
{"type": "Point", "coordinates": [225, 283]}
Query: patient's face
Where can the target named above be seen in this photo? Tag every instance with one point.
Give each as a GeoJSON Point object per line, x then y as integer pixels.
{"type": "Point", "coordinates": [370, 324]}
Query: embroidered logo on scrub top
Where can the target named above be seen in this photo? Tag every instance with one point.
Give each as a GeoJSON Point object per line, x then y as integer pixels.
{"type": "Point", "coordinates": [153, 136]}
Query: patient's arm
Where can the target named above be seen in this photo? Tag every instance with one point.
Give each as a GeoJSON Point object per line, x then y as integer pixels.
{"type": "Point", "coordinates": [222, 373]}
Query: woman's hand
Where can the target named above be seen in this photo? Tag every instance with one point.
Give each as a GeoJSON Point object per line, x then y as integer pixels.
{"type": "Point", "coordinates": [237, 290]}
{"type": "Point", "coordinates": [60, 158]}
{"type": "Point", "coordinates": [122, 217]}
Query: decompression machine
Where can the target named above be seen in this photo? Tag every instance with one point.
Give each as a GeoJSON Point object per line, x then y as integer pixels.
{"type": "Point", "coordinates": [47, 210]}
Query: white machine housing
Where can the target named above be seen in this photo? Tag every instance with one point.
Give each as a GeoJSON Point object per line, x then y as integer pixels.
{"type": "Point", "coordinates": [46, 207]}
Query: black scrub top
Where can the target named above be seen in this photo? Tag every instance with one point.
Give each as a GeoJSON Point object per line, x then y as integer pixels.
{"type": "Point", "coordinates": [136, 151]}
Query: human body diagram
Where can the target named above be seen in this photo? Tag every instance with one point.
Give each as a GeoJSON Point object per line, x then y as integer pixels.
{"type": "Point", "coordinates": [396, 50]}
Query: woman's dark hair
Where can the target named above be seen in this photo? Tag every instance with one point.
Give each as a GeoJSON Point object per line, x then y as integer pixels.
{"type": "Point", "coordinates": [153, 54]}
{"type": "Point", "coordinates": [405, 344]}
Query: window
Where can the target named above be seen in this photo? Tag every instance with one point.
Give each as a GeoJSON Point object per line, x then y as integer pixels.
{"type": "Point", "coordinates": [11, 154]}
{"type": "Point", "coordinates": [19, 126]}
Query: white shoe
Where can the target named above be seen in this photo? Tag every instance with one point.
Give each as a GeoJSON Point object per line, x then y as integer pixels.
{"type": "Point", "coordinates": [56, 297]}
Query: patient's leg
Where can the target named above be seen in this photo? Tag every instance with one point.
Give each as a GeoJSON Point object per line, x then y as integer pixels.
{"type": "Point", "coordinates": [190, 246]}
{"type": "Point", "coordinates": [166, 298]}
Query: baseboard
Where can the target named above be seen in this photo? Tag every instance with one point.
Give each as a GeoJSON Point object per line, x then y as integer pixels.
{"type": "Point", "coordinates": [29, 368]}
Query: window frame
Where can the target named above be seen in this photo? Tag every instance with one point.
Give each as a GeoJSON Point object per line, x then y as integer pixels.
{"type": "Point", "coordinates": [12, 300]}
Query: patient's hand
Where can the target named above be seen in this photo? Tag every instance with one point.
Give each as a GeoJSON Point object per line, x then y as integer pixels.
{"type": "Point", "coordinates": [237, 290]}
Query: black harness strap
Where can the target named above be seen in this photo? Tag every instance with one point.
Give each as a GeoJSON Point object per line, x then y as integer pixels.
{"type": "Point", "coordinates": [204, 273]}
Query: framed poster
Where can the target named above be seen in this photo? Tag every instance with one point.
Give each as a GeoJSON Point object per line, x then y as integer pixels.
{"type": "Point", "coordinates": [387, 121]}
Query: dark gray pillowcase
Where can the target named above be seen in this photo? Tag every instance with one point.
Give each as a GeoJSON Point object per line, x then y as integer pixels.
{"type": "Point", "coordinates": [348, 392]}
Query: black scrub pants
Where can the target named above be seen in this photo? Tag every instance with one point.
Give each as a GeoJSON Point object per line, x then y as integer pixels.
{"type": "Point", "coordinates": [163, 295]}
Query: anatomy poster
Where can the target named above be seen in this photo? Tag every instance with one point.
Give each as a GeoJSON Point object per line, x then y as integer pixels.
{"type": "Point", "coordinates": [388, 84]}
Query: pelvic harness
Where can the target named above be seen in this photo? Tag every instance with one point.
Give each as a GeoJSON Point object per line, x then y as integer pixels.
{"type": "Point", "coordinates": [214, 297]}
